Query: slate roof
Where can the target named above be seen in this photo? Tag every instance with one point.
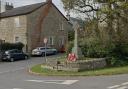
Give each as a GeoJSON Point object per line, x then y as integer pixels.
{"type": "Point", "coordinates": [22, 10]}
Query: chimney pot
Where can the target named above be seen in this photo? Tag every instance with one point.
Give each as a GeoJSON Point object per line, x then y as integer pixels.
{"type": "Point", "coordinates": [8, 6]}
{"type": "Point", "coordinates": [49, 1]}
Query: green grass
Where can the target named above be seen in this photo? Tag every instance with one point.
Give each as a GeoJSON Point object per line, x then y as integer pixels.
{"type": "Point", "coordinates": [98, 72]}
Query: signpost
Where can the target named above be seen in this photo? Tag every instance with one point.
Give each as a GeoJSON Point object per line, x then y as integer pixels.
{"type": "Point", "coordinates": [45, 42]}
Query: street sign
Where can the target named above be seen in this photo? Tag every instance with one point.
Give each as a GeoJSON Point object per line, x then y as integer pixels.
{"type": "Point", "coordinates": [45, 40]}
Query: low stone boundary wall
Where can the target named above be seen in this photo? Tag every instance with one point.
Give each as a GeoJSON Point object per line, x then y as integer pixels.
{"type": "Point", "coordinates": [80, 65]}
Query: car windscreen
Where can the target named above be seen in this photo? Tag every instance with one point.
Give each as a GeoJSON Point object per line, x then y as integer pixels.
{"type": "Point", "coordinates": [42, 48]}
{"type": "Point", "coordinates": [8, 52]}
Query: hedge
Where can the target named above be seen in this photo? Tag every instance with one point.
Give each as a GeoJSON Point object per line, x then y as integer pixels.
{"type": "Point", "coordinates": [9, 46]}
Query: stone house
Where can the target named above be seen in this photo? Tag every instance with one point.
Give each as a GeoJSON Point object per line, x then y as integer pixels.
{"type": "Point", "coordinates": [32, 23]}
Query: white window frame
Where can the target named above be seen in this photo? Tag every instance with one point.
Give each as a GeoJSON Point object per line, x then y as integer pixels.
{"type": "Point", "coordinates": [62, 41]}
{"type": "Point", "coordinates": [16, 39]}
{"type": "Point", "coordinates": [17, 21]}
{"type": "Point", "coordinates": [61, 25]}
{"type": "Point", "coordinates": [51, 40]}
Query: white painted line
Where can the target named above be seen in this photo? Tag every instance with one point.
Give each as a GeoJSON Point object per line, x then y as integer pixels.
{"type": "Point", "coordinates": [126, 83]}
{"type": "Point", "coordinates": [115, 86]}
{"type": "Point", "coordinates": [69, 82]}
{"type": "Point", "coordinates": [34, 81]}
{"type": "Point", "coordinates": [16, 88]}
{"type": "Point", "coordinates": [63, 82]}
{"type": "Point", "coordinates": [124, 87]}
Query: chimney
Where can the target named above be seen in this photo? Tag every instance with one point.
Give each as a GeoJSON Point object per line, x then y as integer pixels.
{"type": "Point", "coordinates": [9, 6]}
{"type": "Point", "coordinates": [49, 1]}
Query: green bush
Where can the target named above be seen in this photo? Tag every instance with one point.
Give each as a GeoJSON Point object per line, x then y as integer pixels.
{"type": "Point", "coordinates": [70, 35]}
{"type": "Point", "coordinates": [115, 52]}
{"type": "Point", "coordinates": [118, 55]}
{"type": "Point", "coordinates": [9, 46]}
{"type": "Point", "coordinates": [93, 48]}
{"type": "Point", "coordinates": [69, 47]}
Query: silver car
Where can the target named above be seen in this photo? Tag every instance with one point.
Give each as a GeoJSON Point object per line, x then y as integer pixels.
{"type": "Point", "coordinates": [40, 51]}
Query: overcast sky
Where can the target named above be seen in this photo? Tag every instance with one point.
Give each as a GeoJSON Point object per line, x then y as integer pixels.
{"type": "Point", "coordinates": [18, 3]}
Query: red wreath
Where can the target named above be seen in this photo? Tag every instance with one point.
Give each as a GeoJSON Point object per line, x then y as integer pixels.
{"type": "Point", "coordinates": [72, 57]}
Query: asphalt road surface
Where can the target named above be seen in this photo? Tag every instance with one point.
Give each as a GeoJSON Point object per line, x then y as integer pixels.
{"type": "Point", "coordinates": [15, 76]}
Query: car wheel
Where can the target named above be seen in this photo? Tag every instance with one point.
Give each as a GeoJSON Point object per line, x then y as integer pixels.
{"type": "Point", "coordinates": [26, 57]}
{"type": "Point", "coordinates": [12, 59]}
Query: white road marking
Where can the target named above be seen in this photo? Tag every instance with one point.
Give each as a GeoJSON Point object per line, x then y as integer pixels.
{"type": "Point", "coordinates": [69, 82]}
{"type": "Point", "coordinates": [34, 81]}
{"type": "Point", "coordinates": [126, 83]}
{"type": "Point", "coordinates": [112, 87]}
{"type": "Point", "coordinates": [124, 87]}
{"type": "Point", "coordinates": [16, 88]}
{"type": "Point", "coordinates": [121, 86]}
{"type": "Point", "coordinates": [63, 82]}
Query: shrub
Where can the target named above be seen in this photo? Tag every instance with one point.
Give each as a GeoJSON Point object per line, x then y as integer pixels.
{"type": "Point", "coordinates": [115, 52]}
{"type": "Point", "coordinates": [118, 55]}
{"type": "Point", "coordinates": [70, 35]}
{"type": "Point", "coordinates": [19, 46]}
{"type": "Point", "coordinates": [69, 47]}
{"type": "Point", "coordinates": [93, 47]}
{"type": "Point", "coordinates": [9, 46]}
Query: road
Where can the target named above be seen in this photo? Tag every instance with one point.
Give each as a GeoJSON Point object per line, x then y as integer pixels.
{"type": "Point", "coordinates": [15, 76]}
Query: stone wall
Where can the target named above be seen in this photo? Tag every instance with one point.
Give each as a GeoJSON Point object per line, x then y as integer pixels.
{"type": "Point", "coordinates": [81, 65]}
{"type": "Point", "coordinates": [8, 29]}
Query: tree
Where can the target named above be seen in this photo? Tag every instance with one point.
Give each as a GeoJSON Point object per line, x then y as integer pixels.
{"type": "Point", "coordinates": [115, 15]}
{"type": "Point", "coordinates": [87, 9]}
{"type": "Point", "coordinates": [81, 6]}
{"type": "Point", "coordinates": [106, 28]}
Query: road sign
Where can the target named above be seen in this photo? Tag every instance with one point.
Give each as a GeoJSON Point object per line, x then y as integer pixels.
{"type": "Point", "coordinates": [45, 40]}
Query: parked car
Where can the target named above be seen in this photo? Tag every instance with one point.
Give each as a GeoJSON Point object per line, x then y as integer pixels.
{"type": "Point", "coordinates": [1, 53]}
{"type": "Point", "coordinates": [14, 54]}
{"type": "Point", "coordinates": [40, 51]}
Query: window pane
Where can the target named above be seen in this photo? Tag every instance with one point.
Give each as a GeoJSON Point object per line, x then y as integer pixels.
{"type": "Point", "coordinates": [51, 40]}
{"type": "Point", "coordinates": [17, 22]}
{"type": "Point", "coordinates": [17, 39]}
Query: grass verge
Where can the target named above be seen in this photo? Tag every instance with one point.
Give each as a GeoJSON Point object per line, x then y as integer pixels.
{"type": "Point", "coordinates": [98, 72]}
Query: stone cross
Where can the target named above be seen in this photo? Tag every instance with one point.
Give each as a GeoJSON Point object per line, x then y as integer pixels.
{"type": "Point", "coordinates": [76, 50]}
